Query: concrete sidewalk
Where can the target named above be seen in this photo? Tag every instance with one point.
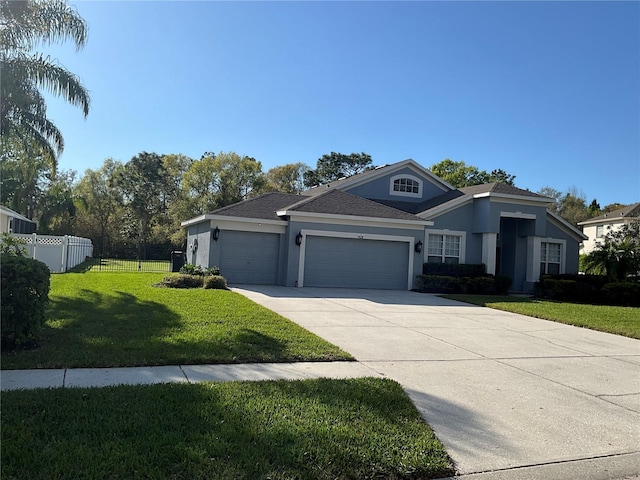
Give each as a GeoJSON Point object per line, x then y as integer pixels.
{"type": "Point", "coordinates": [104, 377]}
{"type": "Point", "coordinates": [513, 395]}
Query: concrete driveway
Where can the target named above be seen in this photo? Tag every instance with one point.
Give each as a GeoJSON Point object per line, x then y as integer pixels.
{"type": "Point", "coordinates": [502, 391]}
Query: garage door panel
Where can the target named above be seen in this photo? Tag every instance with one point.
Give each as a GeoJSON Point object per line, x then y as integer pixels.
{"type": "Point", "coordinates": [249, 257]}
{"type": "Point", "coordinates": [355, 263]}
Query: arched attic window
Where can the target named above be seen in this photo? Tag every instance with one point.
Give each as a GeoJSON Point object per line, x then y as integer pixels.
{"type": "Point", "coordinates": [405, 186]}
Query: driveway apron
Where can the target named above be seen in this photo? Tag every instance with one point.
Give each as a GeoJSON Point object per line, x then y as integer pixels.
{"type": "Point", "coordinates": [500, 390]}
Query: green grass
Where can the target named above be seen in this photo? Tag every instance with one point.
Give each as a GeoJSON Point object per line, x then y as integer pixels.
{"type": "Point", "coordinates": [618, 320]}
{"type": "Point", "coordinates": [315, 429]}
{"type": "Point", "coordinates": [119, 319]}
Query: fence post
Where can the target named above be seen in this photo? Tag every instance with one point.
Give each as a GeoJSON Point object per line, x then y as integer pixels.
{"type": "Point", "coordinates": [35, 242]}
{"type": "Point", "coordinates": [65, 253]}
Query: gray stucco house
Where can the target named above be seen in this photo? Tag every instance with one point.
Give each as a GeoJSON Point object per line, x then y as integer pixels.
{"type": "Point", "coordinates": [377, 228]}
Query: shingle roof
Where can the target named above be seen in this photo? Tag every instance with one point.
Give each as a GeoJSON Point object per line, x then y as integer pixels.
{"type": "Point", "coordinates": [415, 208]}
{"type": "Point", "coordinates": [496, 187]}
{"type": "Point", "coordinates": [264, 206]}
{"type": "Point", "coordinates": [630, 211]}
{"type": "Point", "coordinates": [337, 202]}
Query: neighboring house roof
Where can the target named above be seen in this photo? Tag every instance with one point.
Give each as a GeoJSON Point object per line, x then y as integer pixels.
{"type": "Point", "coordinates": [628, 212]}
{"type": "Point", "coordinates": [503, 189]}
{"type": "Point", "coordinates": [10, 213]}
{"type": "Point", "coordinates": [337, 202]}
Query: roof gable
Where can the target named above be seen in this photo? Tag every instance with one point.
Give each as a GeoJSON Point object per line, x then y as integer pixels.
{"type": "Point", "coordinates": [501, 189]}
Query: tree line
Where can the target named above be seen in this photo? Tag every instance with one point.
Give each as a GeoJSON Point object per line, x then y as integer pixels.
{"type": "Point", "coordinates": [121, 206]}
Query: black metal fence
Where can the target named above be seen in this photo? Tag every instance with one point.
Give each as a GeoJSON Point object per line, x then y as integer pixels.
{"type": "Point", "coordinates": [127, 265]}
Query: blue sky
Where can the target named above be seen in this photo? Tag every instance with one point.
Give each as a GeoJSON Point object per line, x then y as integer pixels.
{"type": "Point", "coordinates": [548, 91]}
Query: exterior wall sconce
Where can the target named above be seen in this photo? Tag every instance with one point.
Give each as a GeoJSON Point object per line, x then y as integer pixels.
{"type": "Point", "coordinates": [215, 234]}
{"type": "Point", "coordinates": [299, 239]}
{"type": "Point", "coordinates": [418, 247]}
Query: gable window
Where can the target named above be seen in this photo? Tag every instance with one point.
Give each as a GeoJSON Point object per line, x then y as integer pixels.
{"type": "Point", "coordinates": [550, 256]}
{"type": "Point", "coordinates": [406, 186]}
{"type": "Point", "coordinates": [444, 248]}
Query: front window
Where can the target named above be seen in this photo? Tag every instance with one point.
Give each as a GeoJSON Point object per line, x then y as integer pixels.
{"type": "Point", "coordinates": [600, 231]}
{"type": "Point", "coordinates": [443, 248]}
{"type": "Point", "coordinates": [550, 256]}
{"type": "Point", "coordinates": [406, 185]}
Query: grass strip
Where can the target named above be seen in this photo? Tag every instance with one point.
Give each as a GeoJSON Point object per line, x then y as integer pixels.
{"type": "Point", "coordinates": [114, 319]}
{"type": "Point", "coordinates": [618, 320]}
{"type": "Point", "coordinates": [320, 429]}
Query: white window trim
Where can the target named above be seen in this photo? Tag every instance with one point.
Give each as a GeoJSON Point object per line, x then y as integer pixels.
{"type": "Point", "coordinates": [534, 256]}
{"type": "Point", "coordinates": [406, 194]}
{"type": "Point", "coordinates": [360, 236]}
{"type": "Point", "coordinates": [457, 233]}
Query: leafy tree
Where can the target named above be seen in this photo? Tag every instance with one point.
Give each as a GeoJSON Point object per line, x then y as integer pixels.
{"type": "Point", "coordinates": [594, 209]}
{"type": "Point", "coordinates": [218, 180]}
{"type": "Point", "coordinates": [25, 25]}
{"type": "Point", "coordinates": [459, 174]}
{"type": "Point", "coordinates": [612, 207]}
{"type": "Point", "coordinates": [286, 178]}
{"type": "Point", "coordinates": [571, 206]}
{"type": "Point", "coordinates": [618, 255]}
{"type": "Point", "coordinates": [99, 206]}
{"type": "Point", "coordinates": [143, 183]}
{"type": "Point", "coordinates": [56, 208]}
{"type": "Point", "coordinates": [333, 166]}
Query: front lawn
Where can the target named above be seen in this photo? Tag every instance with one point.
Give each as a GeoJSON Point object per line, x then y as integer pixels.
{"type": "Point", "coordinates": [618, 320]}
{"type": "Point", "coordinates": [319, 429]}
{"type": "Point", "coordinates": [119, 319]}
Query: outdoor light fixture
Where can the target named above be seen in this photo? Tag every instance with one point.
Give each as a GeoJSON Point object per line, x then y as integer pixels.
{"type": "Point", "coordinates": [215, 234]}
{"type": "Point", "coordinates": [299, 239]}
{"type": "Point", "coordinates": [418, 246]}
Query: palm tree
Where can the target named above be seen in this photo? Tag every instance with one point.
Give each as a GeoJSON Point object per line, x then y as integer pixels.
{"type": "Point", "coordinates": [23, 26]}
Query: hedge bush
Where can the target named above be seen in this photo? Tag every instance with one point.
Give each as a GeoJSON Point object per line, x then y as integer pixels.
{"type": "Point", "coordinates": [486, 285]}
{"type": "Point", "coordinates": [25, 294]}
{"type": "Point", "coordinates": [191, 269]}
{"type": "Point", "coordinates": [454, 269]}
{"type": "Point", "coordinates": [593, 289]}
{"type": "Point", "coordinates": [181, 280]}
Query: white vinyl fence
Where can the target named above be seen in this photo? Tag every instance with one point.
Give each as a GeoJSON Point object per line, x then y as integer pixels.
{"type": "Point", "coordinates": [59, 253]}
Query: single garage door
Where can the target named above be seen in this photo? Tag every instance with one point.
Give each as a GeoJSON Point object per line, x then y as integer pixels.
{"type": "Point", "coordinates": [355, 263]}
{"type": "Point", "coordinates": [249, 257]}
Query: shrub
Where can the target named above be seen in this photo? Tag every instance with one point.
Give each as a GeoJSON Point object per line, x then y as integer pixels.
{"type": "Point", "coordinates": [503, 283]}
{"type": "Point", "coordinates": [569, 287]}
{"type": "Point", "coordinates": [181, 280]}
{"type": "Point", "coordinates": [25, 293]}
{"type": "Point", "coordinates": [454, 269]}
{"type": "Point", "coordinates": [191, 269]}
{"type": "Point", "coordinates": [215, 281]}
{"type": "Point", "coordinates": [622, 293]}
{"type": "Point", "coordinates": [444, 284]}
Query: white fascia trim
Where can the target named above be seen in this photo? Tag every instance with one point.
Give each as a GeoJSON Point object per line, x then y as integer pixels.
{"type": "Point", "coordinates": [514, 198]}
{"type": "Point", "coordinates": [526, 216]}
{"type": "Point", "coordinates": [225, 218]}
{"type": "Point", "coordinates": [353, 235]}
{"type": "Point", "coordinates": [354, 220]}
{"type": "Point", "coordinates": [566, 226]}
{"type": "Point", "coordinates": [445, 207]}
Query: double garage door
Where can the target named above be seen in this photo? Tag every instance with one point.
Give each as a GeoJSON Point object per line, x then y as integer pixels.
{"type": "Point", "coordinates": [355, 263]}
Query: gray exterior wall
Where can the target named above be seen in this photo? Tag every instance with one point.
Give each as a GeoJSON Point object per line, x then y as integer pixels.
{"type": "Point", "coordinates": [379, 188]}
{"type": "Point", "coordinates": [202, 232]}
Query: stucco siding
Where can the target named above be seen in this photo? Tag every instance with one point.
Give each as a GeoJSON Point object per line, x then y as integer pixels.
{"type": "Point", "coordinates": [200, 235]}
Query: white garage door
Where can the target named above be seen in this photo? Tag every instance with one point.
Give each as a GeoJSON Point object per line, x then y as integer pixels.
{"type": "Point", "coordinates": [356, 263]}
